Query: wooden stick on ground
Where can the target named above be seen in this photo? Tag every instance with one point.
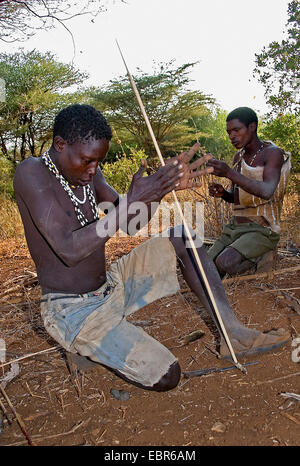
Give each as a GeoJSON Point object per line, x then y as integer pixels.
{"type": "Point", "coordinates": [30, 355]}
{"type": "Point", "coordinates": [261, 275]}
{"type": "Point", "coordinates": [17, 416]}
{"type": "Point", "coordinates": [256, 276]}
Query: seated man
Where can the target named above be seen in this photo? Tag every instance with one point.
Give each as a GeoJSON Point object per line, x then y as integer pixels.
{"type": "Point", "coordinates": [84, 306]}
{"type": "Point", "coordinates": [259, 178]}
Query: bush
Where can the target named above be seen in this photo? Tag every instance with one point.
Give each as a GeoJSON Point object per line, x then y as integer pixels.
{"type": "Point", "coordinates": [119, 174]}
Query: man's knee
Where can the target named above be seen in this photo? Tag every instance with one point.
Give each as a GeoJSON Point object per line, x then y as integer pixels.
{"type": "Point", "coordinates": [228, 260]}
{"type": "Point", "coordinates": [170, 380]}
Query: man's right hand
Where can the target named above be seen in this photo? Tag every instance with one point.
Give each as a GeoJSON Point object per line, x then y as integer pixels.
{"type": "Point", "coordinates": [177, 174]}
{"type": "Point", "coordinates": [216, 190]}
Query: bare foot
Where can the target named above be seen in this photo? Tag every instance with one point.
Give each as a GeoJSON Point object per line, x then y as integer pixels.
{"type": "Point", "coordinates": [257, 342]}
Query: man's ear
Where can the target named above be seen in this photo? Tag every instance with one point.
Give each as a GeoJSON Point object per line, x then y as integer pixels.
{"type": "Point", "coordinates": [59, 143]}
{"type": "Point", "coordinates": [253, 127]}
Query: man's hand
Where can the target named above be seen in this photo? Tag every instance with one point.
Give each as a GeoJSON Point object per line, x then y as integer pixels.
{"type": "Point", "coordinates": [216, 190]}
{"type": "Point", "coordinates": [177, 174]}
{"type": "Point", "coordinates": [191, 172]}
{"type": "Point", "coordinates": [220, 168]}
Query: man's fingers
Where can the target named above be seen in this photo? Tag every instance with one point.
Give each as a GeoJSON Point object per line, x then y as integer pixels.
{"type": "Point", "coordinates": [142, 168]}
{"type": "Point", "coordinates": [204, 171]}
{"type": "Point", "coordinates": [200, 161]}
{"type": "Point", "coordinates": [190, 153]}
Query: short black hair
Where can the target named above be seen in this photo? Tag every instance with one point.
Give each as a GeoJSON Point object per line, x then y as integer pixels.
{"type": "Point", "coordinates": [245, 114]}
{"type": "Point", "coordinates": [80, 122]}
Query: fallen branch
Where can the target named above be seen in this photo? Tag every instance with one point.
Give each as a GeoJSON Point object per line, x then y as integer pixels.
{"type": "Point", "coordinates": [261, 275]}
{"type": "Point", "coordinates": [292, 418]}
{"type": "Point", "coordinates": [26, 282]}
{"type": "Point", "coordinates": [283, 289]}
{"type": "Point", "coordinates": [256, 276]}
{"type": "Point", "coordinates": [278, 378]}
{"type": "Point", "coordinates": [294, 302]}
{"type": "Point", "coordinates": [294, 396]}
{"type": "Point", "coordinates": [31, 355]}
{"type": "Point", "coordinates": [36, 437]}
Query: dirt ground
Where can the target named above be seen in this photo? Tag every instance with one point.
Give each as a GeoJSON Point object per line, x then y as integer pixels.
{"type": "Point", "coordinates": [220, 409]}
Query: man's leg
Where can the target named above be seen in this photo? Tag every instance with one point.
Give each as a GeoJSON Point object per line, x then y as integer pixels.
{"type": "Point", "coordinates": [232, 262]}
{"type": "Point", "coordinates": [250, 242]}
{"type": "Point", "coordinates": [242, 338]}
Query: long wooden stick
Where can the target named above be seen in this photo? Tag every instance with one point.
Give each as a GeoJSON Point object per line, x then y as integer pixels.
{"type": "Point", "coordinates": [206, 283]}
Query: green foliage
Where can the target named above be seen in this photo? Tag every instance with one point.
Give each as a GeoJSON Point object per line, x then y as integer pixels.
{"type": "Point", "coordinates": [277, 66]}
{"type": "Point", "coordinates": [35, 91]}
{"type": "Point", "coordinates": [119, 174]}
{"type": "Point", "coordinates": [211, 132]}
{"type": "Point", "coordinates": [168, 103]}
{"type": "Point", "coordinates": [284, 132]}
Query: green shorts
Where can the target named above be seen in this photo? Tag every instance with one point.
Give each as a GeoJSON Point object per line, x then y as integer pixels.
{"type": "Point", "coordinates": [249, 239]}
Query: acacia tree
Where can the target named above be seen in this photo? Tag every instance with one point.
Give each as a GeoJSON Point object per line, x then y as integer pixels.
{"type": "Point", "coordinates": [36, 86]}
{"type": "Point", "coordinates": [20, 19]}
{"type": "Point", "coordinates": [168, 102]}
{"type": "Point", "coordinates": [277, 66]}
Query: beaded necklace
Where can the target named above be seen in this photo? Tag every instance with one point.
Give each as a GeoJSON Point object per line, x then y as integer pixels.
{"type": "Point", "coordinates": [242, 153]}
{"type": "Point", "coordinates": [87, 192]}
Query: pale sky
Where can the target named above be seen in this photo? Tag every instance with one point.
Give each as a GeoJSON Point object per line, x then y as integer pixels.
{"type": "Point", "coordinates": [223, 35]}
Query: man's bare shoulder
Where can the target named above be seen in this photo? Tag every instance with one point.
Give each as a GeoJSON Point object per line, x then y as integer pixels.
{"type": "Point", "coordinates": [273, 154]}
{"type": "Point", "coordinates": [31, 173]}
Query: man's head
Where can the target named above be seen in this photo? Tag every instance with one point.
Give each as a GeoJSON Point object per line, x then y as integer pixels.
{"type": "Point", "coordinates": [241, 125]}
{"type": "Point", "coordinates": [81, 138]}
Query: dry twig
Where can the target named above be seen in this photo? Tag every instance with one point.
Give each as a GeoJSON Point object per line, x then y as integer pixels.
{"type": "Point", "coordinates": [18, 417]}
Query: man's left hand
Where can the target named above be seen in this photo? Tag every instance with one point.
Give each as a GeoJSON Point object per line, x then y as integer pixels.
{"type": "Point", "coordinates": [220, 168]}
{"type": "Point", "coordinates": [191, 172]}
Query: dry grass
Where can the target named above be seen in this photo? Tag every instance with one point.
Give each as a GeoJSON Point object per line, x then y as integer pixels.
{"type": "Point", "coordinates": [10, 221]}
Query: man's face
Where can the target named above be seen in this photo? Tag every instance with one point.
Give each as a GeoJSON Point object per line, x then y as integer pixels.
{"type": "Point", "coordinates": [79, 161]}
{"type": "Point", "coordinates": [240, 135]}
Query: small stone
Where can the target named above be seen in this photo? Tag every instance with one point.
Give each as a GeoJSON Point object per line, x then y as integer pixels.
{"type": "Point", "coordinates": [121, 395]}
{"type": "Point", "coordinates": [218, 427]}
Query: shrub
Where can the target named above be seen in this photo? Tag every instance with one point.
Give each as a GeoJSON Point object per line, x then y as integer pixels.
{"type": "Point", "coordinates": [119, 174]}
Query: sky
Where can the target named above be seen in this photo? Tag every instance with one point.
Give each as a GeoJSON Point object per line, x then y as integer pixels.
{"type": "Point", "coordinates": [222, 35]}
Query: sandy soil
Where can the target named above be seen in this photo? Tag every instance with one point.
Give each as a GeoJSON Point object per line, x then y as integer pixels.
{"type": "Point", "coordinates": [220, 409]}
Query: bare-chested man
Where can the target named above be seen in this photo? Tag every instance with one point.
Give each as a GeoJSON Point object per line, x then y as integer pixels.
{"type": "Point", "coordinates": [84, 306]}
{"type": "Point", "coordinates": [259, 177]}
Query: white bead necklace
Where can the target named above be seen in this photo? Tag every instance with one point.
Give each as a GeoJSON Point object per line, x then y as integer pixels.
{"type": "Point", "coordinates": [87, 191]}
{"type": "Point", "coordinates": [242, 153]}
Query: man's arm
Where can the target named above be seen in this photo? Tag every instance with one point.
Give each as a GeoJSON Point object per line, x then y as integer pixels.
{"type": "Point", "coordinates": [271, 174]}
